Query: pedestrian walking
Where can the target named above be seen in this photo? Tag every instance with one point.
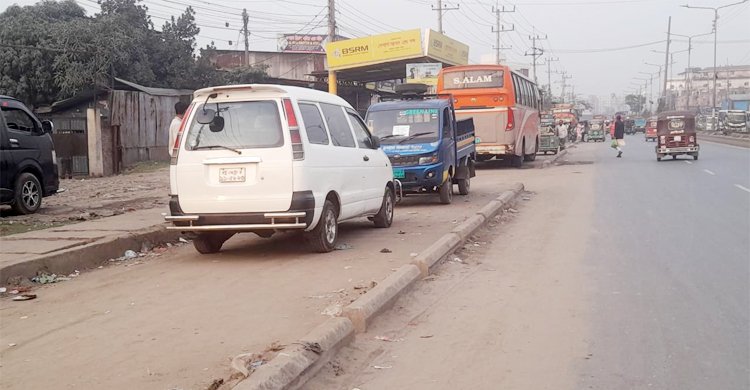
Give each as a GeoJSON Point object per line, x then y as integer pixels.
{"type": "Point", "coordinates": [562, 132]}
{"type": "Point", "coordinates": [619, 136]}
{"type": "Point", "coordinates": [174, 127]}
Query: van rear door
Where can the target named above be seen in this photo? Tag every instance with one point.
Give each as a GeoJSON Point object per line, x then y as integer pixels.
{"type": "Point", "coordinates": [239, 162]}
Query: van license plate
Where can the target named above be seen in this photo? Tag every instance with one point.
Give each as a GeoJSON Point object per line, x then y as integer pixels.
{"type": "Point", "coordinates": [398, 174]}
{"type": "Point", "coordinates": [231, 175]}
{"type": "Point", "coordinates": [677, 138]}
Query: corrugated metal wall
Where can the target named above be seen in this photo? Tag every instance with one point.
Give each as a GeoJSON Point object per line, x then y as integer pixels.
{"type": "Point", "coordinates": [144, 125]}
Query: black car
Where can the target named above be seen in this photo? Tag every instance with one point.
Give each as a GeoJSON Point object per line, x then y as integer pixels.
{"type": "Point", "coordinates": [28, 170]}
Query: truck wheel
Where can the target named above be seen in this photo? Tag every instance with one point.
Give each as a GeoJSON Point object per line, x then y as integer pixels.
{"type": "Point", "coordinates": [207, 243]}
{"type": "Point", "coordinates": [384, 217]}
{"type": "Point", "coordinates": [28, 194]}
{"type": "Point", "coordinates": [323, 237]}
{"type": "Point", "coordinates": [464, 185]}
{"type": "Point", "coordinates": [446, 191]}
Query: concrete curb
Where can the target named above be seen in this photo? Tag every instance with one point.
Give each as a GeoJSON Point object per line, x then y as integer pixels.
{"type": "Point", "coordinates": [88, 255]}
{"type": "Point", "coordinates": [560, 155]}
{"type": "Point", "coordinates": [292, 368]}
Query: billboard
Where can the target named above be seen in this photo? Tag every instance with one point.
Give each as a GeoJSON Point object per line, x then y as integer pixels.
{"type": "Point", "coordinates": [446, 49]}
{"type": "Point", "coordinates": [374, 49]}
{"type": "Point", "coordinates": [302, 43]}
{"type": "Point", "coordinates": [424, 73]}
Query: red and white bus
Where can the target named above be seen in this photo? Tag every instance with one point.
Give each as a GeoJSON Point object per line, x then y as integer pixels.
{"type": "Point", "coordinates": [505, 106]}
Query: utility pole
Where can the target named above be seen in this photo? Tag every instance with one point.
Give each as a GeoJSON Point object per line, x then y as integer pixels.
{"type": "Point", "coordinates": [688, 72]}
{"type": "Point", "coordinates": [246, 33]}
{"type": "Point", "coordinates": [439, 9]}
{"type": "Point", "coordinates": [536, 52]}
{"type": "Point", "coordinates": [499, 29]}
{"type": "Point", "coordinates": [666, 62]}
{"type": "Point", "coordinates": [716, 25]}
{"type": "Point", "coordinates": [549, 74]}
{"type": "Point", "coordinates": [332, 82]}
{"type": "Point", "coordinates": [564, 76]}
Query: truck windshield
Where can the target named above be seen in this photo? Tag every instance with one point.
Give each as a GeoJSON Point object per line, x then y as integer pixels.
{"type": "Point", "coordinates": [410, 126]}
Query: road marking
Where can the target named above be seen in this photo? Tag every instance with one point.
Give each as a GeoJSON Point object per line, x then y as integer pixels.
{"type": "Point", "coordinates": [742, 188]}
{"type": "Point", "coordinates": [709, 172]}
{"type": "Point", "coordinates": [689, 162]}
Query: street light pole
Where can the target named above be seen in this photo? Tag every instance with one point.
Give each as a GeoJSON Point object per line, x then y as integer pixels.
{"type": "Point", "coordinates": [688, 79]}
{"type": "Point", "coordinates": [716, 21]}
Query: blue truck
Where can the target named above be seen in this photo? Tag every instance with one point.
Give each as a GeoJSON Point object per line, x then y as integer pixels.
{"type": "Point", "coordinates": [429, 149]}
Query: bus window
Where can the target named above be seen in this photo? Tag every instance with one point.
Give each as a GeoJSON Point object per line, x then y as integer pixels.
{"type": "Point", "coordinates": [516, 91]}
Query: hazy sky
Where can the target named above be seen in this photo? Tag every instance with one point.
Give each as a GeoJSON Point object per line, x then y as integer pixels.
{"type": "Point", "coordinates": [575, 30]}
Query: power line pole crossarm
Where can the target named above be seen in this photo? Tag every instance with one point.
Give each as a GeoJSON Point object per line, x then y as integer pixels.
{"type": "Point", "coordinates": [499, 28]}
{"type": "Point", "coordinates": [536, 52]}
{"type": "Point", "coordinates": [440, 9]}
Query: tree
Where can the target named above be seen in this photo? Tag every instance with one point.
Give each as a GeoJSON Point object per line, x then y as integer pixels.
{"type": "Point", "coordinates": [635, 102]}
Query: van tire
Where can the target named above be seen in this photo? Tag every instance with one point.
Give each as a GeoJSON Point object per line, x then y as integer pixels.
{"type": "Point", "coordinates": [446, 191]}
{"type": "Point", "coordinates": [384, 217]}
{"type": "Point", "coordinates": [207, 243]}
{"type": "Point", "coordinates": [28, 194]}
{"type": "Point", "coordinates": [323, 237]}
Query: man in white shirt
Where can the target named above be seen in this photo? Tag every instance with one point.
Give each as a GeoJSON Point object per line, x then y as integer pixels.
{"type": "Point", "coordinates": [562, 130]}
{"type": "Point", "coordinates": [174, 127]}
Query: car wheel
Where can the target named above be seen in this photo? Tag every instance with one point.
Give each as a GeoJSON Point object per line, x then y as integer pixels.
{"type": "Point", "coordinates": [323, 237]}
{"type": "Point", "coordinates": [464, 185]}
{"type": "Point", "coordinates": [384, 217]}
{"type": "Point", "coordinates": [446, 191]}
{"type": "Point", "coordinates": [207, 243]}
{"type": "Point", "coordinates": [28, 194]}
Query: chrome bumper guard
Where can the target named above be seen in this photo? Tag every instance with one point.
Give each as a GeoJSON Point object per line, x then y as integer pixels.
{"type": "Point", "coordinates": [273, 225]}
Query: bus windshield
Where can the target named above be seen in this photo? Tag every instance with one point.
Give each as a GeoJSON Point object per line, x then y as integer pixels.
{"type": "Point", "coordinates": [416, 125]}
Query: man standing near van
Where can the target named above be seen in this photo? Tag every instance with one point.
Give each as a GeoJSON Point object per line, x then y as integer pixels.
{"type": "Point", "coordinates": [174, 127]}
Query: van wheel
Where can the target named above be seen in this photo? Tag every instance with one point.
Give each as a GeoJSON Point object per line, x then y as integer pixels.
{"type": "Point", "coordinates": [464, 185]}
{"type": "Point", "coordinates": [446, 191]}
{"type": "Point", "coordinates": [28, 194]}
{"type": "Point", "coordinates": [206, 243]}
{"type": "Point", "coordinates": [516, 161]}
{"type": "Point", "coordinates": [323, 237]}
{"type": "Point", "coordinates": [384, 217]}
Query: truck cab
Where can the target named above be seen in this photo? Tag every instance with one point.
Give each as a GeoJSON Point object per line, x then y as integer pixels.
{"type": "Point", "coordinates": [430, 150]}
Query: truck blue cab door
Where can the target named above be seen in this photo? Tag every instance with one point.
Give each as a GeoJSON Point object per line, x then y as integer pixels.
{"type": "Point", "coordinates": [448, 143]}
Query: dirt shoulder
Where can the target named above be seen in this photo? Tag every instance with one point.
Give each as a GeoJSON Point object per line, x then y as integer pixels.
{"type": "Point", "coordinates": [144, 187]}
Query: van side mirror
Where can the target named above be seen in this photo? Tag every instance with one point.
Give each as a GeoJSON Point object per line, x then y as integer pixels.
{"type": "Point", "coordinates": [48, 127]}
{"type": "Point", "coordinates": [375, 141]}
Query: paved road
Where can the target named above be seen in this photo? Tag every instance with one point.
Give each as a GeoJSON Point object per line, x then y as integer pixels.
{"type": "Point", "coordinates": [621, 274]}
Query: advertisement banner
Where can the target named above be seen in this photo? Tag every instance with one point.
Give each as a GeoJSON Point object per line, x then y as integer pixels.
{"type": "Point", "coordinates": [423, 73]}
{"type": "Point", "coordinates": [374, 49]}
{"type": "Point", "coordinates": [302, 43]}
{"type": "Point", "coordinates": [445, 49]}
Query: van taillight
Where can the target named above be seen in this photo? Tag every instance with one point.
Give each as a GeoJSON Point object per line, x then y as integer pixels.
{"type": "Point", "coordinates": [298, 151]}
{"type": "Point", "coordinates": [176, 146]}
{"type": "Point", "coordinates": [511, 120]}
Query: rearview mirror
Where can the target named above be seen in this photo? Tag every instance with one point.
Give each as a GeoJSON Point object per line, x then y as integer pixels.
{"type": "Point", "coordinates": [217, 124]}
{"type": "Point", "coordinates": [205, 116]}
{"type": "Point", "coordinates": [48, 127]}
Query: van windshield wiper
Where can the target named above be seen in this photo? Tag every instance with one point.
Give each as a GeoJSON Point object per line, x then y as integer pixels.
{"type": "Point", "coordinates": [217, 146]}
{"type": "Point", "coordinates": [411, 137]}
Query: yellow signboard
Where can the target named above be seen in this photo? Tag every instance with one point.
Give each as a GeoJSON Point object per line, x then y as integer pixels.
{"type": "Point", "coordinates": [445, 49]}
{"type": "Point", "coordinates": [374, 49]}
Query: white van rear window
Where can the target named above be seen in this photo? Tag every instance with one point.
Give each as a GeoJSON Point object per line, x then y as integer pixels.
{"type": "Point", "coordinates": [247, 125]}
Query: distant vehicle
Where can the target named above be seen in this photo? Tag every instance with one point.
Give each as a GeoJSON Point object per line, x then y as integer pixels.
{"type": "Point", "coordinates": [676, 135]}
{"type": "Point", "coordinates": [639, 125]}
{"type": "Point", "coordinates": [28, 164]}
{"type": "Point", "coordinates": [735, 121]}
{"type": "Point", "coordinates": [650, 134]}
{"type": "Point", "coordinates": [548, 140]}
{"type": "Point", "coordinates": [597, 131]}
{"type": "Point", "coordinates": [267, 158]}
{"type": "Point", "coordinates": [505, 107]}
{"type": "Point", "coordinates": [629, 126]}
{"type": "Point", "coordinates": [429, 149]}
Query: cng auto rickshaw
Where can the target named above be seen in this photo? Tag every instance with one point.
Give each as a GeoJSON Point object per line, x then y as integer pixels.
{"type": "Point", "coordinates": [548, 139]}
{"type": "Point", "coordinates": [675, 131]}
{"type": "Point", "coordinates": [596, 132]}
{"type": "Point", "coordinates": [629, 126]}
{"type": "Point", "coordinates": [651, 129]}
